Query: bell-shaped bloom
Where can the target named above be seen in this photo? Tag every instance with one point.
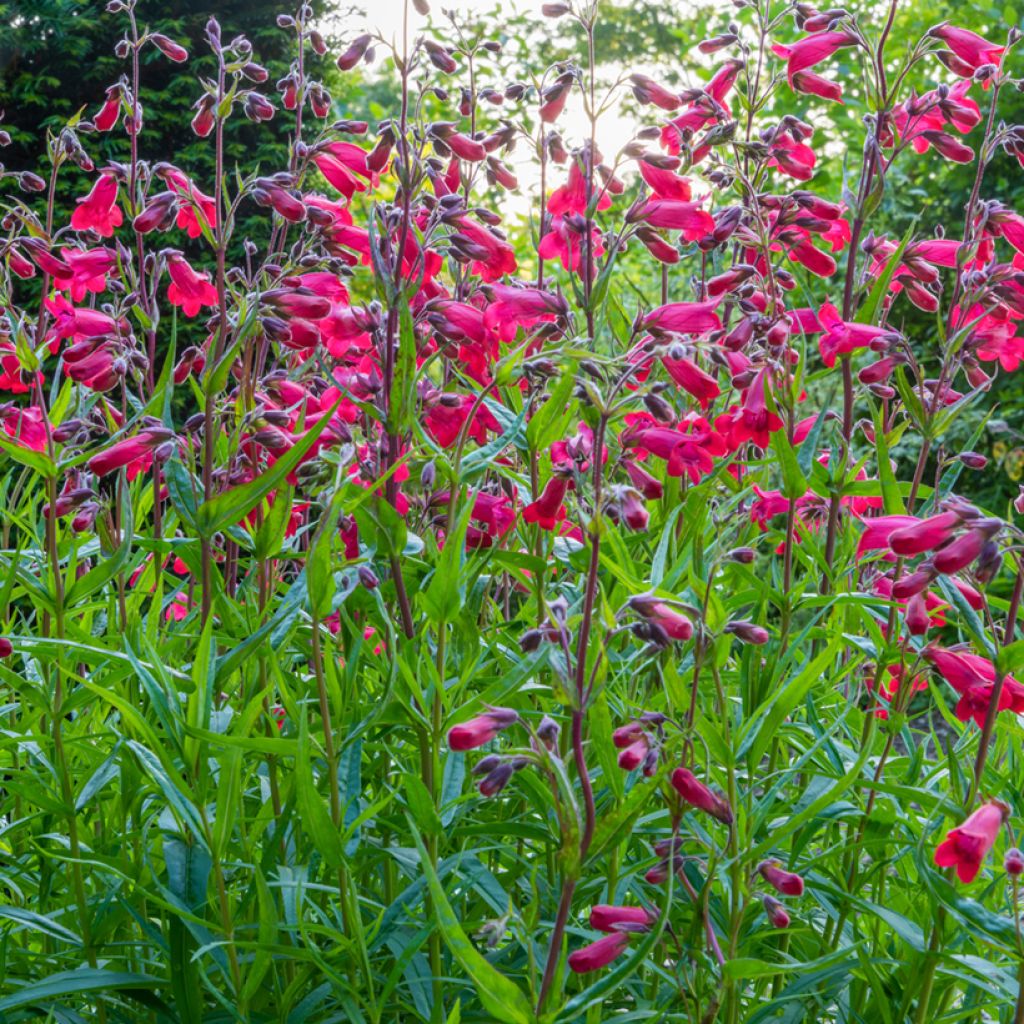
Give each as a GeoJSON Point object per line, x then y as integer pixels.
{"type": "Point", "coordinates": [548, 511]}
{"type": "Point", "coordinates": [967, 845]}
{"type": "Point", "coordinates": [344, 165]}
{"type": "Point", "coordinates": [565, 242]}
{"type": "Point", "coordinates": [480, 730]}
{"type": "Point", "coordinates": [842, 337]}
{"type": "Point", "coordinates": [26, 427]}
{"type": "Point", "coordinates": [878, 530]}
{"type": "Point", "coordinates": [665, 183]}
{"type": "Point", "coordinates": [190, 289]}
{"type": "Point", "coordinates": [98, 211]}
{"type": "Point", "coordinates": [670, 620]}
{"type": "Point", "coordinates": [572, 197]}
{"type": "Point", "coordinates": [492, 256]}
{"type": "Point", "coordinates": [599, 954]}
{"type": "Point", "coordinates": [633, 756]}
{"type": "Point", "coordinates": [135, 453]}
{"type": "Point", "coordinates": [752, 420]}
{"type": "Point", "coordinates": [777, 914]}
{"type": "Point", "coordinates": [89, 269]}
{"type": "Point", "coordinates": [786, 882]}
{"type": "Point", "coordinates": [690, 377]}
{"type": "Point", "coordinates": [106, 117]}
{"type": "Point", "coordinates": [694, 792]}
{"type": "Point", "coordinates": [973, 677]}
{"type": "Point", "coordinates": [195, 204]}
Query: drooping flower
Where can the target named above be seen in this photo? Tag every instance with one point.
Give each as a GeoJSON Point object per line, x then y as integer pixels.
{"type": "Point", "coordinates": [967, 845]}
{"type": "Point", "coordinates": [694, 792]}
{"type": "Point", "coordinates": [480, 730]}
{"type": "Point", "coordinates": [786, 882]}
{"type": "Point", "coordinates": [599, 954]}
{"type": "Point", "coordinates": [98, 211]}
{"type": "Point", "coordinates": [548, 511]}
{"type": "Point", "coordinates": [190, 289]}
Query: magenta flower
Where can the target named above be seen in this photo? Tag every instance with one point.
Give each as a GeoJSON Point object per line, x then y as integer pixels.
{"type": "Point", "coordinates": [684, 318]}
{"type": "Point", "coordinates": [548, 511]}
{"type": "Point", "coordinates": [967, 845]}
{"type": "Point", "coordinates": [924, 534]}
{"type": "Point", "coordinates": [480, 730]}
{"type": "Point", "coordinates": [190, 289]}
{"type": "Point", "coordinates": [599, 954]}
{"type": "Point", "coordinates": [609, 918]}
{"type": "Point", "coordinates": [694, 792]}
{"type": "Point", "coordinates": [786, 882]}
{"type": "Point", "coordinates": [777, 914]}
{"type": "Point", "coordinates": [969, 47]}
{"type": "Point", "coordinates": [811, 50]}
{"type": "Point", "coordinates": [343, 164]}
{"type": "Point", "coordinates": [98, 211]}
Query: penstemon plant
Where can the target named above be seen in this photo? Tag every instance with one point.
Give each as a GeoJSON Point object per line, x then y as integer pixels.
{"type": "Point", "coordinates": [415, 613]}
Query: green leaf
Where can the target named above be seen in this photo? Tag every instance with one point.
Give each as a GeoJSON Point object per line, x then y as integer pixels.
{"type": "Point", "coordinates": [502, 999]}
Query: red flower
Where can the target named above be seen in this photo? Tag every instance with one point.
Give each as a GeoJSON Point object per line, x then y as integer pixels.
{"type": "Point", "coordinates": [966, 846]}
{"type": "Point", "coordinates": [607, 918]}
{"type": "Point", "coordinates": [547, 511]}
{"type": "Point", "coordinates": [969, 47]}
{"type": "Point", "coordinates": [480, 730]}
{"type": "Point", "coordinates": [684, 318]}
{"type": "Point", "coordinates": [343, 164]}
{"type": "Point", "coordinates": [786, 882]}
{"type": "Point", "coordinates": [190, 289]}
{"type": "Point", "coordinates": [98, 211]}
{"type": "Point", "coordinates": [694, 792]}
{"type": "Point", "coordinates": [599, 954]}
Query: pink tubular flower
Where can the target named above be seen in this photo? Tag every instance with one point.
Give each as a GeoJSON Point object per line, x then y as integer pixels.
{"type": "Point", "coordinates": [786, 882]}
{"type": "Point", "coordinates": [966, 846]}
{"type": "Point", "coordinates": [343, 164]}
{"type": "Point", "coordinates": [969, 47]}
{"type": "Point", "coordinates": [480, 730]}
{"type": "Point", "coordinates": [572, 197]}
{"type": "Point", "coordinates": [492, 256]}
{"type": "Point", "coordinates": [811, 50]}
{"type": "Point", "coordinates": [841, 337]}
{"type": "Point", "coordinates": [599, 954]}
{"type": "Point", "coordinates": [690, 377]}
{"type": "Point", "coordinates": [608, 918]}
{"type": "Point", "coordinates": [190, 289]}
{"type": "Point", "coordinates": [694, 792]}
{"type": "Point", "coordinates": [548, 511]}
{"type": "Point", "coordinates": [777, 914]}
{"type": "Point", "coordinates": [676, 215]}
{"type": "Point", "coordinates": [672, 622]}
{"type": "Point", "coordinates": [684, 318]}
{"type": "Point", "coordinates": [752, 421]}
{"type": "Point", "coordinates": [89, 269]}
{"type": "Point", "coordinates": [134, 452]}
{"type": "Point", "coordinates": [924, 534]}
{"type": "Point", "coordinates": [973, 677]}
{"type": "Point", "coordinates": [98, 211]}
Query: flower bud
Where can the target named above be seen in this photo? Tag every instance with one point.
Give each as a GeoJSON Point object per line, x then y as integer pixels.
{"type": "Point", "coordinates": [1013, 862]}
{"type": "Point", "coordinates": [776, 912]}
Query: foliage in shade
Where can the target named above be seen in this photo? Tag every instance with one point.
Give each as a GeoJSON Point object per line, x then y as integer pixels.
{"type": "Point", "coordinates": [410, 615]}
